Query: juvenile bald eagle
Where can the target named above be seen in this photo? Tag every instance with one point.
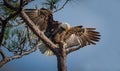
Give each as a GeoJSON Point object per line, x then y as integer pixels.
{"type": "Point", "coordinates": [72, 36]}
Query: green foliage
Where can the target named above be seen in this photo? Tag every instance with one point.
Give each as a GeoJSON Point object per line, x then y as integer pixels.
{"type": "Point", "coordinates": [18, 36]}
{"type": "Point", "coordinates": [14, 2]}
{"type": "Point", "coordinates": [6, 11]}
{"type": "Point", "coordinates": [6, 36]}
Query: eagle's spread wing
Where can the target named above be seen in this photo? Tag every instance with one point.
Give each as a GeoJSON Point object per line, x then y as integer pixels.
{"type": "Point", "coordinates": [74, 37]}
{"type": "Point", "coordinates": [41, 18]}
{"type": "Point", "coordinates": [81, 36]}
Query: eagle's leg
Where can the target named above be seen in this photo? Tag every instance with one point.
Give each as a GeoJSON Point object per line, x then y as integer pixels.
{"type": "Point", "coordinates": [63, 43]}
{"type": "Point", "coordinates": [62, 39]}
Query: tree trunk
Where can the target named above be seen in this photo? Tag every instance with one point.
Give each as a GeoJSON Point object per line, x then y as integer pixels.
{"type": "Point", "coordinates": [61, 59]}
{"type": "Point", "coordinates": [61, 63]}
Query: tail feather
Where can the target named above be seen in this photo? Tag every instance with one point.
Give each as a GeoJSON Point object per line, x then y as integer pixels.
{"type": "Point", "coordinates": [45, 50]}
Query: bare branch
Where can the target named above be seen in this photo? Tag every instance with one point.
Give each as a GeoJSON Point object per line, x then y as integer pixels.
{"type": "Point", "coordinates": [40, 34]}
{"type": "Point", "coordinates": [7, 59]}
{"type": "Point", "coordinates": [62, 6]}
{"type": "Point", "coordinates": [69, 50]}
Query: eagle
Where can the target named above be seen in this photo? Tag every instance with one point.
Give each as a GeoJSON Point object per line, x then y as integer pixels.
{"type": "Point", "coordinates": [71, 36]}
{"type": "Point", "coordinates": [59, 32]}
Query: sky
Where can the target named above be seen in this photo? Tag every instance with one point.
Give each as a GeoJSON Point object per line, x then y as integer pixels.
{"type": "Point", "coordinates": [105, 56]}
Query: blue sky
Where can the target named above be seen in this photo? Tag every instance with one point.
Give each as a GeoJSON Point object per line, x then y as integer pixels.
{"type": "Point", "coordinates": [105, 56]}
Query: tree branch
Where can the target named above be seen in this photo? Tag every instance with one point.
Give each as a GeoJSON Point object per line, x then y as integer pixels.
{"type": "Point", "coordinates": [69, 50]}
{"type": "Point", "coordinates": [40, 34]}
{"type": "Point", "coordinates": [7, 59]}
{"type": "Point", "coordinates": [61, 6]}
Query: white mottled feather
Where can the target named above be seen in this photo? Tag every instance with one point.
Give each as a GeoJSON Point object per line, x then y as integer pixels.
{"type": "Point", "coordinates": [45, 50]}
{"type": "Point", "coordinates": [73, 40]}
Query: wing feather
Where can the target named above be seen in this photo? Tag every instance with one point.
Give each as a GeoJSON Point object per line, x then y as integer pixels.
{"type": "Point", "coordinates": [45, 50]}
{"type": "Point", "coordinates": [83, 41]}
{"type": "Point", "coordinates": [90, 41]}
{"type": "Point", "coordinates": [82, 36]}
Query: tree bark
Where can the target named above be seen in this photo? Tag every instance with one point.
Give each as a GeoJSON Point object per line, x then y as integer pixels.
{"type": "Point", "coordinates": [61, 63]}
{"type": "Point", "coordinates": [61, 59]}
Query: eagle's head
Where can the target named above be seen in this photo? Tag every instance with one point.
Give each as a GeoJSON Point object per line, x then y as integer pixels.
{"type": "Point", "coordinates": [66, 26]}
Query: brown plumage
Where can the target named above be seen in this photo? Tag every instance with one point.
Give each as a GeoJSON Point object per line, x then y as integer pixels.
{"type": "Point", "coordinates": [75, 36]}
{"type": "Point", "coordinates": [81, 36]}
{"type": "Point", "coordinates": [42, 18]}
